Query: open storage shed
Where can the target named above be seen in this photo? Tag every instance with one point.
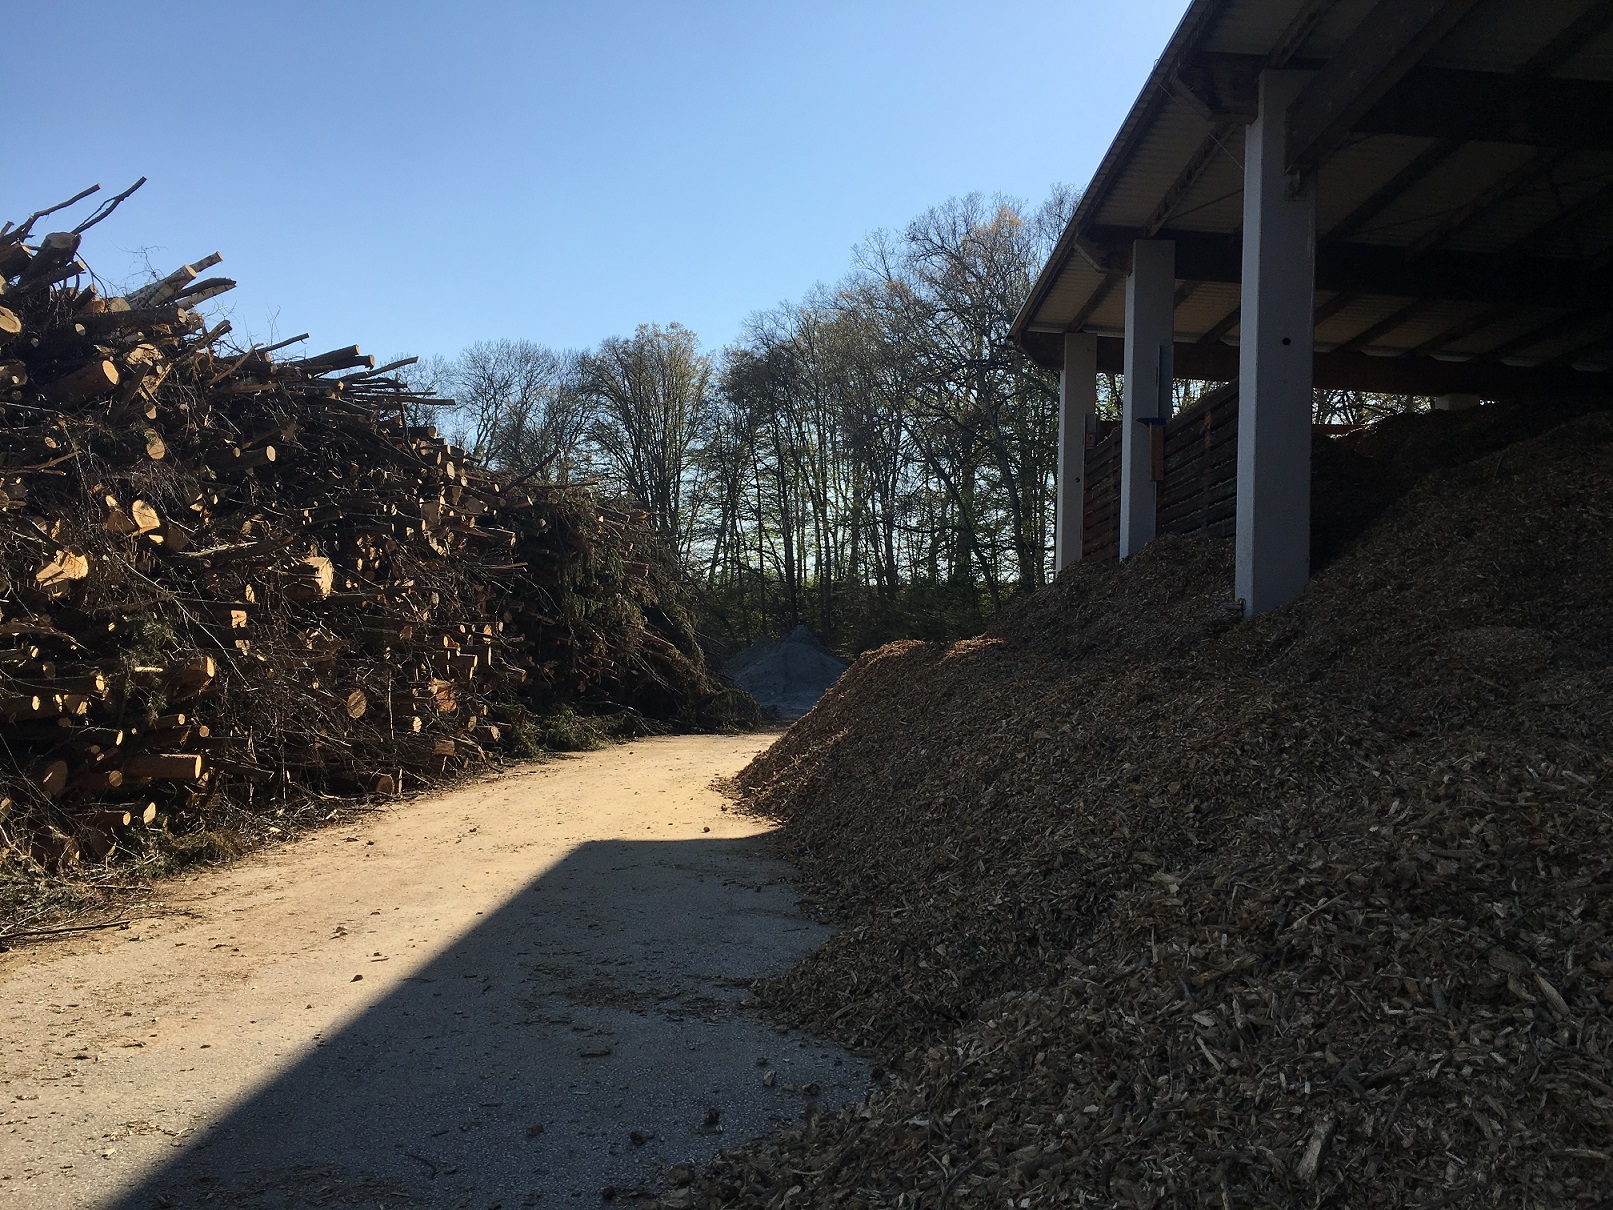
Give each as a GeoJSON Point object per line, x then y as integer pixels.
{"type": "Point", "coordinates": [1406, 196]}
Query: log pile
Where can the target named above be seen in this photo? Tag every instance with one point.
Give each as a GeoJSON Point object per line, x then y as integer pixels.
{"type": "Point", "coordinates": [234, 580]}
{"type": "Point", "coordinates": [1141, 905]}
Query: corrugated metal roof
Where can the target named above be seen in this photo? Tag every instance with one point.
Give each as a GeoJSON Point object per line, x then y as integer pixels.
{"type": "Point", "coordinates": [1592, 61]}
{"type": "Point", "coordinates": [1255, 29]}
{"type": "Point", "coordinates": [1440, 195]}
{"type": "Point", "coordinates": [1499, 37]}
{"type": "Point", "coordinates": [1161, 152]}
{"type": "Point", "coordinates": [1168, 170]}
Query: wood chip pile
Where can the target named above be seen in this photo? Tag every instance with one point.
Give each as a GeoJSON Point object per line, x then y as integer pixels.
{"type": "Point", "coordinates": [1144, 906]}
{"type": "Point", "coordinates": [234, 582]}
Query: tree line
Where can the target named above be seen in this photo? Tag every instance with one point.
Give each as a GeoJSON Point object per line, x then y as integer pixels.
{"type": "Point", "coordinates": [876, 460]}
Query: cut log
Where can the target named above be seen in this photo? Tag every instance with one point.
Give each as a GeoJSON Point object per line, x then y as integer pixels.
{"type": "Point", "coordinates": [167, 766]}
{"type": "Point", "coordinates": [96, 378]}
{"type": "Point", "coordinates": [160, 291]}
{"type": "Point", "coordinates": [51, 778]}
{"type": "Point", "coordinates": [212, 287]}
{"type": "Point", "coordinates": [262, 456]}
{"type": "Point", "coordinates": [117, 520]}
{"type": "Point", "coordinates": [145, 516]}
{"type": "Point", "coordinates": [86, 684]}
{"type": "Point", "coordinates": [311, 580]}
{"type": "Point", "coordinates": [63, 569]}
{"type": "Point", "coordinates": [96, 843]}
{"type": "Point", "coordinates": [236, 768]}
{"type": "Point", "coordinates": [100, 737]}
{"type": "Point", "coordinates": [192, 675]}
{"type": "Point", "coordinates": [171, 536]}
{"type": "Point", "coordinates": [14, 258]}
{"type": "Point", "coordinates": [442, 692]}
{"type": "Point", "coordinates": [54, 849]}
{"type": "Point", "coordinates": [109, 818]}
{"type": "Point", "coordinates": [55, 252]}
{"type": "Point", "coordinates": [98, 781]}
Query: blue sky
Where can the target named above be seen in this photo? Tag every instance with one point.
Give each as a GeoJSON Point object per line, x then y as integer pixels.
{"type": "Point", "coordinates": [415, 176]}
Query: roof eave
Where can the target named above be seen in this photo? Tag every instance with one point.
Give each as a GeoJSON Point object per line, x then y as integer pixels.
{"type": "Point", "coordinates": [1193, 26]}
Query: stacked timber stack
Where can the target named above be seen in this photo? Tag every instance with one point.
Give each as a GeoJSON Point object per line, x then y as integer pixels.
{"type": "Point", "coordinates": [232, 581]}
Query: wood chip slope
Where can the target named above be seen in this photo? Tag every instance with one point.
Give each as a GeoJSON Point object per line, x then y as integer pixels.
{"type": "Point", "coordinates": [1146, 906]}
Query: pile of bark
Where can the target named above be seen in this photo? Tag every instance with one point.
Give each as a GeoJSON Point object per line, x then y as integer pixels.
{"type": "Point", "coordinates": [1142, 905]}
{"type": "Point", "coordinates": [235, 582]}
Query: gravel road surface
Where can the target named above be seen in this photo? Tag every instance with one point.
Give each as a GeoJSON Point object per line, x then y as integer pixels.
{"type": "Point", "coordinates": [530, 991]}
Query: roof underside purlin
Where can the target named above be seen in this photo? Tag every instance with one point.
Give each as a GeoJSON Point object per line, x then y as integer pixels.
{"type": "Point", "coordinates": [1462, 153]}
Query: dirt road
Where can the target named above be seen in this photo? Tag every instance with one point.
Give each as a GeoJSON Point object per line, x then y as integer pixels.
{"type": "Point", "coordinates": [519, 993]}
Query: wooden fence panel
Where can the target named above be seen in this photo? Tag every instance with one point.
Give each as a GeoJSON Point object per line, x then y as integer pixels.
{"type": "Point", "coordinates": [1199, 489]}
{"type": "Point", "coordinates": [1100, 530]}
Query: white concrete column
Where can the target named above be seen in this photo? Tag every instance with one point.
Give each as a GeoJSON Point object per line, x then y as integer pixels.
{"type": "Point", "coordinates": [1150, 327]}
{"type": "Point", "coordinates": [1078, 407]}
{"type": "Point", "coordinates": [1275, 345]}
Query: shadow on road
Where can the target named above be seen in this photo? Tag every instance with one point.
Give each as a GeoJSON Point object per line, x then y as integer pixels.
{"type": "Point", "coordinates": [607, 997]}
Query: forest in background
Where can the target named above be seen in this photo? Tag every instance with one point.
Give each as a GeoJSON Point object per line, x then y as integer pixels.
{"type": "Point", "coordinates": [876, 460]}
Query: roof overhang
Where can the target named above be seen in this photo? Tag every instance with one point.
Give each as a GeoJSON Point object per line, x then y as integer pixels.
{"type": "Point", "coordinates": [1462, 152]}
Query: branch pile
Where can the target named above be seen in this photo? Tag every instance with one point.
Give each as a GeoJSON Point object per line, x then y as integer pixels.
{"type": "Point", "coordinates": [1147, 907]}
{"type": "Point", "coordinates": [233, 582]}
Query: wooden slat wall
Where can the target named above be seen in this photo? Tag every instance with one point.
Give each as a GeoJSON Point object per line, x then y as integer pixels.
{"type": "Point", "coordinates": [1100, 530]}
{"type": "Point", "coordinates": [1199, 493]}
{"type": "Point", "coordinates": [1200, 490]}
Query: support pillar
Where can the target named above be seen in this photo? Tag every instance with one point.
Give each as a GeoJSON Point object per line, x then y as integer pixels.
{"type": "Point", "coordinates": [1078, 406]}
{"type": "Point", "coordinates": [1150, 327]}
{"type": "Point", "coordinates": [1275, 350]}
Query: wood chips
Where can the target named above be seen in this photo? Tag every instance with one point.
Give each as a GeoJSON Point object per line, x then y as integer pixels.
{"type": "Point", "coordinates": [1145, 906]}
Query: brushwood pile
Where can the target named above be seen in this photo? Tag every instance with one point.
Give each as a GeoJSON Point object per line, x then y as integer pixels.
{"type": "Point", "coordinates": [1143, 905]}
{"type": "Point", "coordinates": [237, 583]}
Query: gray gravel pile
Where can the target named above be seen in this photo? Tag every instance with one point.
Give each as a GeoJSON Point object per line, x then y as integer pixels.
{"type": "Point", "coordinates": [788, 675]}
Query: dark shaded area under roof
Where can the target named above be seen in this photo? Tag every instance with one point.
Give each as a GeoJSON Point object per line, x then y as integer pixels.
{"type": "Point", "coordinates": [1463, 158]}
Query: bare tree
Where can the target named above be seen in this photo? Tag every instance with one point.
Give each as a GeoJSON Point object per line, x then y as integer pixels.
{"type": "Point", "coordinates": [946, 291]}
{"type": "Point", "coordinates": [518, 405]}
{"type": "Point", "coordinates": [431, 375]}
{"type": "Point", "coordinates": [652, 397]}
{"type": "Point", "coordinates": [876, 458]}
{"type": "Point", "coordinates": [1334, 406]}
